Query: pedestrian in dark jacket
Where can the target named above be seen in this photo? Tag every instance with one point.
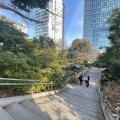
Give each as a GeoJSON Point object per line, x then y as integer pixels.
{"type": "Point", "coordinates": [81, 79]}
{"type": "Point", "coordinates": [87, 81]}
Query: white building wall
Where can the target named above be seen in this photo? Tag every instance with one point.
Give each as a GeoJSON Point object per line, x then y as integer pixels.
{"type": "Point", "coordinates": [50, 30]}
{"type": "Point", "coordinates": [55, 22]}
{"type": "Point", "coordinates": [19, 26]}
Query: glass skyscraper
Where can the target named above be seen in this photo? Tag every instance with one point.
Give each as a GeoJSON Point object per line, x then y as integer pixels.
{"type": "Point", "coordinates": [52, 24]}
{"type": "Point", "coordinates": [96, 13]}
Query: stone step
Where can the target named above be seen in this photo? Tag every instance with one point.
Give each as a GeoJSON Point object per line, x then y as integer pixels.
{"type": "Point", "coordinates": [59, 103]}
{"type": "Point", "coordinates": [56, 109]}
{"type": "Point", "coordinates": [82, 108]}
{"type": "Point", "coordinates": [4, 115]}
{"type": "Point", "coordinates": [83, 102]}
{"type": "Point", "coordinates": [76, 103]}
{"type": "Point", "coordinates": [81, 116]}
{"type": "Point", "coordinates": [17, 112]}
{"type": "Point", "coordinates": [87, 111]}
{"type": "Point", "coordinates": [83, 95]}
{"type": "Point", "coordinates": [38, 111]}
{"type": "Point", "coordinates": [52, 115]}
{"type": "Point", "coordinates": [84, 90]}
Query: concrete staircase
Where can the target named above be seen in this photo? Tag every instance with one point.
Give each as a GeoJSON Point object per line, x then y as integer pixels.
{"type": "Point", "coordinates": [71, 104]}
{"type": "Point", "coordinates": [74, 103]}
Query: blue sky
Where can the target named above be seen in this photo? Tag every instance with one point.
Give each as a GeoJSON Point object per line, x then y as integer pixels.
{"type": "Point", "coordinates": [74, 11]}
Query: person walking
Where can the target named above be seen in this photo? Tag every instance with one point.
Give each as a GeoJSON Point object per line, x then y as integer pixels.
{"type": "Point", "coordinates": [87, 81]}
{"type": "Point", "coordinates": [81, 79]}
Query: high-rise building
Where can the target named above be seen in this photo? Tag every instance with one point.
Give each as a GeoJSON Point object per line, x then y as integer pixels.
{"type": "Point", "coordinates": [96, 13]}
{"type": "Point", "coordinates": [19, 26]}
{"type": "Point", "coordinates": [52, 23]}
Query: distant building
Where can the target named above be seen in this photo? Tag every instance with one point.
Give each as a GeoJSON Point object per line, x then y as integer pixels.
{"type": "Point", "coordinates": [96, 13]}
{"type": "Point", "coordinates": [52, 25]}
{"type": "Point", "coordinates": [21, 27]}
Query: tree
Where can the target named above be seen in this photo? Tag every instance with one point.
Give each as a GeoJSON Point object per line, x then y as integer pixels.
{"type": "Point", "coordinates": [26, 6]}
{"type": "Point", "coordinates": [83, 45]}
{"type": "Point", "coordinates": [8, 31]}
{"type": "Point", "coordinates": [13, 65]}
{"type": "Point", "coordinates": [114, 22]}
{"type": "Point", "coordinates": [79, 51]}
{"type": "Point", "coordinates": [11, 37]}
{"type": "Point", "coordinates": [44, 42]}
{"type": "Point", "coordinates": [113, 52]}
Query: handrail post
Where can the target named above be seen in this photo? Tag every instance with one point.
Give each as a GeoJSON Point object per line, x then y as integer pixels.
{"type": "Point", "coordinates": [51, 85]}
{"type": "Point", "coordinates": [32, 87]}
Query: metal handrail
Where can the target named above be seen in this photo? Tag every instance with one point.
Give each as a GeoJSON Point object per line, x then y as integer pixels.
{"type": "Point", "coordinates": [12, 79]}
{"type": "Point", "coordinates": [30, 82]}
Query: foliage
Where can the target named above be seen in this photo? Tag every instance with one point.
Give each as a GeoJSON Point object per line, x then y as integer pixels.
{"type": "Point", "coordinates": [30, 59]}
{"type": "Point", "coordinates": [79, 51]}
{"type": "Point", "coordinates": [44, 42]}
{"type": "Point", "coordinates": [111, 58]}
{"type": "Point", "coordinates": [30, 4]}
{"type": "Point", "coordinates": [10, 33]}
{"type": "Point", "coordinates": [12, 65]}
{"type": "Point", "coordinates": [82, 45]}
{"type": "Point", "coordinates": [114, 22]}
{"type": "Point", "coordinates": [69, 73]}
{"type": "Point", "coordinates": [11, 37]}
{"type": "Point", "coordinates": [112, 91]}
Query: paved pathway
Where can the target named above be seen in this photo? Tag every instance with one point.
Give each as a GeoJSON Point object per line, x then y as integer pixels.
{"type": "Point", "coordinates": [85, 100]}
{"type": "Point", "coordinates": [76, 102]}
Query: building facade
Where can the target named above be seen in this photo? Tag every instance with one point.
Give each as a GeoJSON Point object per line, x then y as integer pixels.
{"type": "Point", "coordinates": [96, 13]}
{"type": "Point", "coordinates": [52, 24]}
{"type": "Point", "coordinates": [19, 26]}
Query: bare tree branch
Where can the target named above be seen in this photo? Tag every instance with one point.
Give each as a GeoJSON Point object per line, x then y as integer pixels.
{"type": "Point", "coordinates": [17, 12]}
{"type": "Point", "coordinates": [52, 12]}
